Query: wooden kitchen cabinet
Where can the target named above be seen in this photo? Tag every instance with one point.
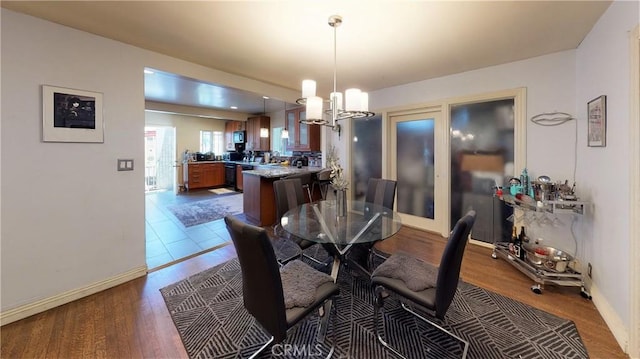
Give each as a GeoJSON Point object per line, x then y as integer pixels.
{"type": "Point", "coordinates": [204, 175]}
{"type": "Point", "coordinates": [302, 137]}
{"type": "Point", "coordinates": [239, 178]}
{"type": "Point", "coordinates": [254, 141]}
{"type": "Point", "coordinates": [229, 128]}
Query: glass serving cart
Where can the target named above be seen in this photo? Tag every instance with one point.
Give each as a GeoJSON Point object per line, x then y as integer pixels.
{"type": "Point", "coordinates": [543, 271]}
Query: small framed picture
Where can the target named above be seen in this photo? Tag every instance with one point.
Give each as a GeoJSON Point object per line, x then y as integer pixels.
{"type": "Point", "coordinates": [597, 122]}
{"type": "Point", "coordinates": [70, 115]}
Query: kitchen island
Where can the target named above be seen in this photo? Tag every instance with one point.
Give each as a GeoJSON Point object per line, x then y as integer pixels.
{"type": "Point", "coordinates": [259, 197]}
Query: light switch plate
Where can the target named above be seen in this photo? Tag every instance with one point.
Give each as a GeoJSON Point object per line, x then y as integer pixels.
{"type": "Point", "coordinates": [125, 164]}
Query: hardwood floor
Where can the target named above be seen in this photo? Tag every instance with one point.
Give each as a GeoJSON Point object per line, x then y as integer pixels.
{"type": "Point", "coordinates": [132, 321]}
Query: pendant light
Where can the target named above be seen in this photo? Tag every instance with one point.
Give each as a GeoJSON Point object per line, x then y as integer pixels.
{"type": "Point", "coordinates": [356, 104]}
{"type": "Point", "coordinates": [285, 133]}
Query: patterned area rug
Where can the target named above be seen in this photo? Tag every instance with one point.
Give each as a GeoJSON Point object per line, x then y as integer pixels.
{"type": "Point", "coordinates": [191, 214]}
{"type": "Point", "coordinates": [208, 312]}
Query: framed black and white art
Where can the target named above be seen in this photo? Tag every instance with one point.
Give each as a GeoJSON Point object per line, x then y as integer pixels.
{"type": "Point", "coordinates": [70, 115]}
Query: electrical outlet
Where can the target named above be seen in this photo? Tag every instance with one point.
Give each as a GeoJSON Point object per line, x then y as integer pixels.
{"type": "Point", "coordinates": [589, 270]}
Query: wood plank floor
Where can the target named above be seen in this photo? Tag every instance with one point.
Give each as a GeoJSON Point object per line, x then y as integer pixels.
{"type": "Point", "coordinates": [132, 321]}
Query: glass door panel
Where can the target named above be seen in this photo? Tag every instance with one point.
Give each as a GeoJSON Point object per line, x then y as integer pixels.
{"type": "Point", "coordinates": [304, 130]}
{"type": "Point", "coordinates": [419, 191]}
{"type": "Point", "coordinates": [366, 153]}
{"type": "Point", "coordinates": [291, 127]}
{"type": "Point", "coordinates": [482, 155]}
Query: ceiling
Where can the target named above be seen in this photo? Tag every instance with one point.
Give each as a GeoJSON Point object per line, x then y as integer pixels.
{"type": "Point", "coordinates": [380, 43]}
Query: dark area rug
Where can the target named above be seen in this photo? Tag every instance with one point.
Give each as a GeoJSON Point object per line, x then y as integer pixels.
{"type": "Point", "coordinates": [208, 312]}
{"type": "Point", "coordinates": [193, 213]}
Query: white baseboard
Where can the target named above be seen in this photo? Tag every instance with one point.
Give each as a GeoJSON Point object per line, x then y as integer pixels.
{"type": "Point", "coordinates": [610, 317]}
{"type": "Point", "coordinates": [42, 305]}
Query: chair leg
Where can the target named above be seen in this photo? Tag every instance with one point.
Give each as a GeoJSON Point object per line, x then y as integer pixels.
{"type": "Point", "coordinates": [466, 343]}
{"type": "Point", "coordinates": [323, 326]}
{"type": "Point", "coordinates": [254, 355]}
{"type": "Point", "coordinates": [379, 304]}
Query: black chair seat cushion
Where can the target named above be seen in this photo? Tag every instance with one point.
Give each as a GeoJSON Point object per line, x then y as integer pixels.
{"type": "Point", "coordinates": [417, 275]}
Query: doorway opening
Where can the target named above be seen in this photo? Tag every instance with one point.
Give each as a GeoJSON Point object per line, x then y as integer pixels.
{"type": "Point", "coordinates": [160, 158]}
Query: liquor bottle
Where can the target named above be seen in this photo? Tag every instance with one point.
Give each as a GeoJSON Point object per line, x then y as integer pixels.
{"type": "Point", "coordinates": [512, 240]}
{"type": "Point", "coordinates": [521, 239]}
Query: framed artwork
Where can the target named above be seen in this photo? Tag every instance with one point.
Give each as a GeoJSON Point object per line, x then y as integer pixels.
{"type": "Point", "coordinates": [70, 115]}
{"type": "Point", "coordinates": [597, 122]}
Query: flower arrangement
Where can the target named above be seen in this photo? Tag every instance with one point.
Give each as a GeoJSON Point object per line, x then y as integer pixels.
{"type": "Point", "coordinates": [337, 175]}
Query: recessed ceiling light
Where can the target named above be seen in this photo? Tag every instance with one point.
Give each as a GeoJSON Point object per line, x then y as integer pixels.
{"type": "Point", "coordinates": [149, 72]}
{"type": "Point", "coordinates": [265, 97]}
{"type": "Point", "coordinates": [234, 107]}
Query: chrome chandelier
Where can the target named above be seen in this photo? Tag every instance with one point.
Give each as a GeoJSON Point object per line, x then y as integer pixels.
{"type": "Point", "coordinates": [356, 104]}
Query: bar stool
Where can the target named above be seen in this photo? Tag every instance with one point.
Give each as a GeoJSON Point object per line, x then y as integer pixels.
{"type": "Point", "coordinates": [305, 178]}
{"type": "Point", "coordinates": [323, 181]}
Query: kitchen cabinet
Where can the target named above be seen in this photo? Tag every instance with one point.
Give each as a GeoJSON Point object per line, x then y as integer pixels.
{"type": "Point", "coordinates": [302, 137]}
{"type": "Point", "coordinates": [204, 175]}
{"type": "Point", "coordinates": [229, 128]}
{"type": "Point", "coordinates": [254, 141]}
{"type": "Point", "coordinates": [239, 179]}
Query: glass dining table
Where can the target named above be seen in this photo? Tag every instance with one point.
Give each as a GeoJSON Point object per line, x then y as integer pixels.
{"type": "Point", "coordinates": [325, 222]}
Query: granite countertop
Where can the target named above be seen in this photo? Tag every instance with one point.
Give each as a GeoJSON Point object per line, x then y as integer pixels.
{"type": "Point", "coordinates": [277, 171]}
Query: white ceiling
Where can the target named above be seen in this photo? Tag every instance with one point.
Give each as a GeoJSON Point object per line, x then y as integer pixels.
{"type": "Point", "coordinates": [380, 44]}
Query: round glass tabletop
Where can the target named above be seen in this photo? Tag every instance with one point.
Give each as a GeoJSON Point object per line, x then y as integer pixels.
{"type": "Point", "coordinates": [324, 222]}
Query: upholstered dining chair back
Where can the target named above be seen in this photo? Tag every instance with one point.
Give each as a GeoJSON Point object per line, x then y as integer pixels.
{"type": "Point", "coordinates": [381, 191]}
{"type": "Point", "coordinates": [261, 284]}
{"type": "Point", "coordinates": [289, 194]}
{"type": "Point", "coordinates": [450, 263]}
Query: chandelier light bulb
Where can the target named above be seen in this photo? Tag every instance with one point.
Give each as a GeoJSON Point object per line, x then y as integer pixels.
{"type": "Point", "coordinates": [308, 88]}
{"type": "Point", "coordinates": [314, 108]}
{"type": "Point", "coordinates": [353, 100]}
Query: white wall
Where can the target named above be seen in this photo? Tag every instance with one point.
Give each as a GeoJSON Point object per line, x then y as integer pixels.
{"type": "Point", "coordinates": [603, 69]}
{"type": "Point", "coordinates": [69, 219]}
{"type": "Point", "coordinates": [564, 82]}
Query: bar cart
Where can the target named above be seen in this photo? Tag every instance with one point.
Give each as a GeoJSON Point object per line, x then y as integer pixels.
{"type": "Point", "coordinates": [540, 271]}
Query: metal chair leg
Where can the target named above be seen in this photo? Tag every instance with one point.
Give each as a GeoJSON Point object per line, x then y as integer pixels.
{"type": "Point", "coordinates": [379, 304]}
{"type": "Point", "coordinates": [254, 355]}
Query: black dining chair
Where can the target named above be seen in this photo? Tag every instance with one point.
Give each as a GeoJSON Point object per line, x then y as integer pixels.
{"type": "Point", "coordinates": [305, 180]}
{"type": "Point", "coordinates": [289, 195]}
{"type": "Point", "coordinates": [429, 287]}
{"type": "Point", "coordinates": [382, 192]}
{"type": "Point", "coordinates": [276, 302]}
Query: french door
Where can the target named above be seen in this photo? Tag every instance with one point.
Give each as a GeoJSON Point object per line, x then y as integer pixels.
{"type": "Point", "coordinates": [419, 156]}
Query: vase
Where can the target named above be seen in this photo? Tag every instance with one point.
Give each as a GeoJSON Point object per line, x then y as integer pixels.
{"type": "Point", "coordinates": [341, 202]}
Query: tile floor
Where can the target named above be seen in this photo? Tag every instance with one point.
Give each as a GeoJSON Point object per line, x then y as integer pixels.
{"type": "Point", "coordinates": [167, 239]}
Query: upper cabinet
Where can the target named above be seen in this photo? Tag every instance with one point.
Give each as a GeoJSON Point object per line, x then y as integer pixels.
{"type": "Point", "coordinates": [229, 127]}
{"type": "Point", "coordinates": [302, 137]}
{"type": "Point", "coordinates": [254, 141]}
